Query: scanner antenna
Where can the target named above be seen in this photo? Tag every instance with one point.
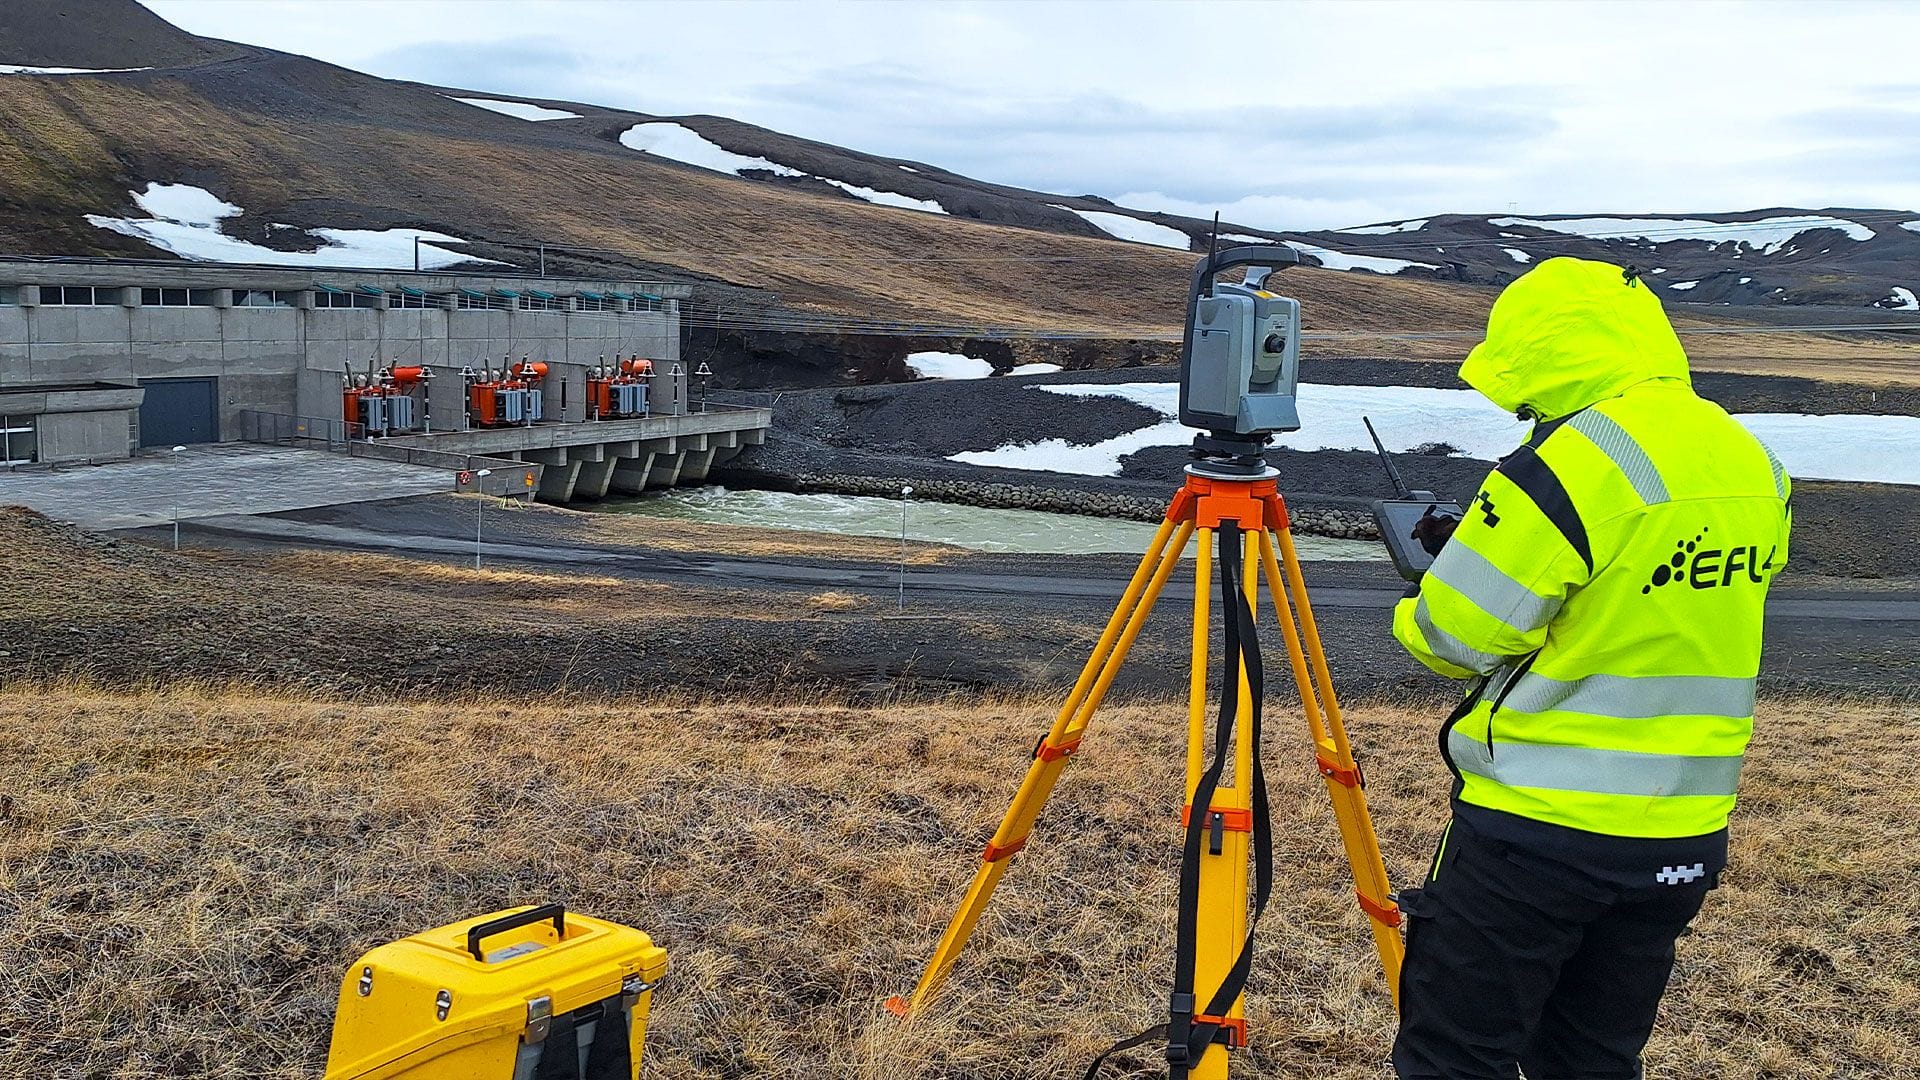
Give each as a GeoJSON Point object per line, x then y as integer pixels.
{"type": "Point", "coordinates": [1213, 249]}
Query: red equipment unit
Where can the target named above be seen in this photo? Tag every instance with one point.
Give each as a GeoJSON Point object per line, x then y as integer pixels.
{"type": "Point", "coordinates": [606, 398]}
{"type": "Point", "coordinates": [506, 396]}
{"type": "Point", "coordinates": [381, 402]}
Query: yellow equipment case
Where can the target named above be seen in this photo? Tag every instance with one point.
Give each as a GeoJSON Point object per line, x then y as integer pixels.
{"type": "Point", "coordinates": [504, 997]}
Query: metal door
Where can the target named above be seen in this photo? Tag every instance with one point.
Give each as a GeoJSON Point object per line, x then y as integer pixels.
{"type": "Point", "coordinates": [180, 412]}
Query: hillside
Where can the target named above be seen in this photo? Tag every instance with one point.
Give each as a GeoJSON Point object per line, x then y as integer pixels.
{"type": "Point", "coordinates": [820, 233]}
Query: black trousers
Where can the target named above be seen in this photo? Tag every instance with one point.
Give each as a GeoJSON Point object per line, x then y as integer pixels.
{"type": "Point", "coordinates": [1517, 960]}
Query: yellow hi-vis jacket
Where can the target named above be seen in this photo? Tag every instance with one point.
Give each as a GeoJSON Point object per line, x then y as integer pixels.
{"type": "Point", "coordinates": [1605, 590]}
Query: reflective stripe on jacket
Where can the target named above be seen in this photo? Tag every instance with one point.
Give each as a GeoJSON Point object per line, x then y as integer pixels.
{"type": "Point", "coordinates": [1606, 588]}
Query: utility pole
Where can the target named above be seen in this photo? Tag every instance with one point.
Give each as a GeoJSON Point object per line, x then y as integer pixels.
{"type": "Point", "coordinates": [543, 260]}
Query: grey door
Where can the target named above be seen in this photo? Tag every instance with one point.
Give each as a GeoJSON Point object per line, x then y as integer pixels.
{"type": "Point", "coordinates": [179, 412]}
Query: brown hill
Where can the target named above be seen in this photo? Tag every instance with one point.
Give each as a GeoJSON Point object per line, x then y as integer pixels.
{"type": "Point", "coordinates": [293, 140]}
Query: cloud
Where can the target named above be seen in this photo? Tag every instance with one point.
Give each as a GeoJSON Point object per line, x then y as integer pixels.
{"type": "Point", "coordinates": [1388, 109]}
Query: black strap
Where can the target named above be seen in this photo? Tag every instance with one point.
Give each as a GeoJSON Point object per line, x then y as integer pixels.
{"type": "Point", "coordinates": [1157, 1031]}
{"type": "Point", "coordinates": [611, 1055]}
{"type": "Point", "coordinates": [560, 1053]}
{"type": "Point", "coordinates": [1186, 1039]}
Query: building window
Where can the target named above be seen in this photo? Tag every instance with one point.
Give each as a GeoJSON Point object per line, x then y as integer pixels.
{"type": "Point", "coordinates": [17, 443]}
{"type": "Point", "coordinates": [78, 295]}
{"type": "Point", "coordinates": [344, 300]}
{"type": "Point", "coordinates": [592, 303]}
{"type": "Point", "coordinates": [408, 300]}
{"type": "Point", "coordinates": [539, 303]}
{"type": "Point", "coordinates": [472, 303]}
{"type": "Point", "coordinates": [265, 298]}
{"type": "Point", "coordinates": [9, 295]}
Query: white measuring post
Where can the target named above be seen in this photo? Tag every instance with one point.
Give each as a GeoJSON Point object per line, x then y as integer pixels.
{"type": "Point", "coordinates": [176, 497]}
{"type": "Point", "coordinates": [479, 511]}
{"type": "Point", "coordinates": [906, 495]}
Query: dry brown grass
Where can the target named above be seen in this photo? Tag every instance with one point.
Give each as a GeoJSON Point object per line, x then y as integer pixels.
{"type": "Point", "coordinates": [186, 874]}
{"type": "Point", "coordinates": [837, 601]}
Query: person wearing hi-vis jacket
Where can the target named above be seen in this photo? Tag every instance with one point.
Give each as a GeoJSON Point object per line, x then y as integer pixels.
{"type": "Point", "coordinates": [1602, 599]}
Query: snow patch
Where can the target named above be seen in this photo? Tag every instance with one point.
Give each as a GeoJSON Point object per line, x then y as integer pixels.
{"type": "Point", "coordinates": [1882, 449]}
{"type": "Point", "coordinates": [676, 142]}
{"type": "Point", "coordinates": [946, 365]}
{"type": "Point", "coordinates": [521, 109]}
{"type": "Point", "coordinates": [1911, 226]}
{"type": "Point", "coordinates": [21, 69]}
{"type": "Point", "coordinates": [1768, 234]}
{"type": "Point", "coordinates": [1902, 300]}
{"type": "Point", "coordinates": [186, 221]}
{"type": "Point", "coordinates": [1517, 255]}
{"type": "Point", "coordinates": [1125, 227]}
{"type": "Point", "coordinates": [1682, 286]}
{"type": "Point", "coordinates": [1243, 238]}
{"type": "Point", "coordinates": [887, 198]}
{"type": "Point", "coordinates": [1034, 369]}
{"type": "Point", "coordinates": [1340, 260]}
{"type": "Point", "coordinates": [1745, 280]}
{"type": "Point", "coordinates": [687, 146]}
{"type": "Point", "coordinates": [907, 168]}
{"type": "Point", "coordinates": [1394, 227]}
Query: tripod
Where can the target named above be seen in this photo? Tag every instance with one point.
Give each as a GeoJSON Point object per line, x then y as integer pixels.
{"type": "Point", "coordinates": [1214, 936]}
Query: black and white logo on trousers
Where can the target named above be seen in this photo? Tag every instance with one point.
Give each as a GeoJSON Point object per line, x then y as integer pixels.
{"type": "Point", "coordinates": [1680, 875]}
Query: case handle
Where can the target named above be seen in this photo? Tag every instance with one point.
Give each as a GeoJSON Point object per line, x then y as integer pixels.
{"type": "Point", "coordinates": [540, 913]}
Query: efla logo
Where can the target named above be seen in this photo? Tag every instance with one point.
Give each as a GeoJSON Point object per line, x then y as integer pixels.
{"type": "Point", "coordinates": [1711, 568]}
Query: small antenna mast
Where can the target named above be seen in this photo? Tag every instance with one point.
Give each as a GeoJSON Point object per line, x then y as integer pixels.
{"type": "Point", "coordinates": [1213, 249]}
{"type": "Point", "coordinates": [1399, 485]}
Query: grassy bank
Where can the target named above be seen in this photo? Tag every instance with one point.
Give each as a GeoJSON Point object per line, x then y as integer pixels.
{"type": "Point", "coordinates": [185, 874]}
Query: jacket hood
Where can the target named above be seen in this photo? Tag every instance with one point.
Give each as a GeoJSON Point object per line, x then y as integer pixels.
{"type": "Point", "coordinates": [1569, 333]}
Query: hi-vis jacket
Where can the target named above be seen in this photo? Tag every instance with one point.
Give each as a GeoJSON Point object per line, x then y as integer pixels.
{"type": "Point", "coordinates": [1606, 588]}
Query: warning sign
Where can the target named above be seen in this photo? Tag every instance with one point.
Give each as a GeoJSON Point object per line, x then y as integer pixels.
{"type": "Point", "coordinates": [466, 477]}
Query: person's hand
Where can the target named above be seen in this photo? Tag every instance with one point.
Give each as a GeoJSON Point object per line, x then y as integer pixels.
{"type": "Point", "coordinates": [1434, 529]}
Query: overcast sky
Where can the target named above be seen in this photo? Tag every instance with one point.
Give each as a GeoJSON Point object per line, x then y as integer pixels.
{"type": "Point", "coordinates": [1285, 115]}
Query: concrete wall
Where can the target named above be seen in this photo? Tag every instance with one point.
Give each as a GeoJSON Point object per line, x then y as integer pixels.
{"type": "Point", "coordinates": [84, 436]}
{"type": "Point", "coordinates": [78, 423]}
{"type": "Point", "coordinates": [290, 360]}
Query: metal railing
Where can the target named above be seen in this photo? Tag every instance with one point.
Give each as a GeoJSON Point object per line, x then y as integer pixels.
{"type": "Point", "coordinates": [738, 399]}
{"type": "Point", "coordinates": [284, 429]}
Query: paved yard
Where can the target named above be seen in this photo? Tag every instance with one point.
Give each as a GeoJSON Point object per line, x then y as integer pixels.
{"type": "Point", "coordinates": [210, 481]}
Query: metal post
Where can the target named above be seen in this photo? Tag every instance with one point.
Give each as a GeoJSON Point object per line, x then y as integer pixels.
{"type": "Point", "coordinates": [906, 493]}
{"type": "Point", "coordinates": [176, 497]}
{"type": "Point", "coordinates": [479, 509]}
{"type": "Point", "coordinates": [416, 253]}
{"type": "Point", "coordinates": [543, 260]}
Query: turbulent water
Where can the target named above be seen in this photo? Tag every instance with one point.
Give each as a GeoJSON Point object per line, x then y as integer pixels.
{"type": "Point", "coordinates": [945, 523]}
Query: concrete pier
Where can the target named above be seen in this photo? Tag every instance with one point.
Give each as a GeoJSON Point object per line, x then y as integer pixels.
{"type": "Point", "coordinates": [596, 459]}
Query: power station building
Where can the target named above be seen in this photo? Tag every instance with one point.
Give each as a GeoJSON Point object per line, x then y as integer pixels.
{"type": "Point", "coordinates": [99, 358]}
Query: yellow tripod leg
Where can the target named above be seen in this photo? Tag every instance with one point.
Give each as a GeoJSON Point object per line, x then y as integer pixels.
{"type": "Point", "coordinates": [1334, 753]}
{"type": "Point", "coordinates": [1050, 757]}
{"type": "Point", "coordinates": [1221, 928]}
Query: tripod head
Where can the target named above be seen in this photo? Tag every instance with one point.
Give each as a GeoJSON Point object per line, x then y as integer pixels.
{"type": "Point", "coordinates": [1239, 362]}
